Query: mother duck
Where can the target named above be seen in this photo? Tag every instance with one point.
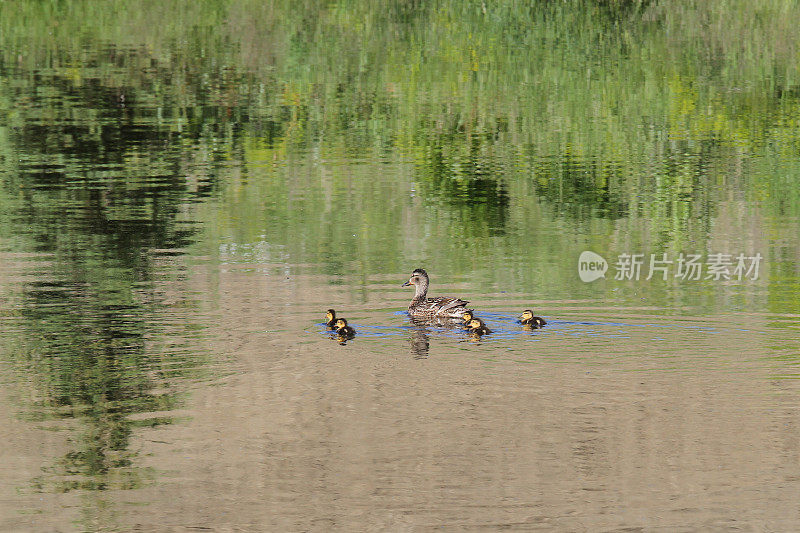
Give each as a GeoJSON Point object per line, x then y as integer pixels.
{"type": "Point", "coordinates": [431, 308]}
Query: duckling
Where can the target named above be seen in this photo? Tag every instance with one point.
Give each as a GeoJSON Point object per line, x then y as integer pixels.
{"type": "Point", "coordinates": [467, 316]}
{"type": "Point", "coordinates": [527, 319]}
{"type": "Point", "coordinates": [478, 327]}
{"type": "Point", "coordinates": [343, 329]}
{"type": "Point", "coordinates": [330, 319]}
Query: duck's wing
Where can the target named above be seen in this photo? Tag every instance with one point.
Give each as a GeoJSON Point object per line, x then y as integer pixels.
{"type": "Point", "coordinates": [446, 303]}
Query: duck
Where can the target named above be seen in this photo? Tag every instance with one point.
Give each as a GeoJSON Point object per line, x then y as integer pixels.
{"type": "Point", "coordinates": [477, 327]}
{"type": "Point", "coordinates": [330, 319]}
{"type": "Point", "coordinates": [431, 308]}
{"type": "Point", "coordinates": [527, 319]}
{"type": "Point", "coordinates": [343, 329]}
{"type": "Point", "coordinates": [467, 316]}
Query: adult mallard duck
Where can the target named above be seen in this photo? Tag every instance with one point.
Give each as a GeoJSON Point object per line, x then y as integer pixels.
{"type": "Point", "coordinates": [527, 319]}
{"type": "Point", "coordinates": [431, 308]}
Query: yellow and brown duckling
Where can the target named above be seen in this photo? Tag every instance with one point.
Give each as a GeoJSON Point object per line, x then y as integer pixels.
{"type": "Point", "coordinates": [330, 319]}
{"type": "Point", "coordinates": [343, 329]}
{"type": "Point", "coordinates": [527, 319]}
{"type": "Point", "coordinates": [467, 316]}
{"type": "Point", "coordinates": [477, 327]}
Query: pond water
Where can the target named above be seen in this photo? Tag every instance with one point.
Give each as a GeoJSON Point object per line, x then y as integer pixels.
{"type": "Point", "coordinates": [185, 189]}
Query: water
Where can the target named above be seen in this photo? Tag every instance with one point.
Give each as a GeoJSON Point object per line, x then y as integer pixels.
{"type": "Point", "coordinates": [185, 189]}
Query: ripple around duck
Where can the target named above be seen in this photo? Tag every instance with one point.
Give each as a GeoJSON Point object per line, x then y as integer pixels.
{"type": "Point", "coordinates": [506, 326]}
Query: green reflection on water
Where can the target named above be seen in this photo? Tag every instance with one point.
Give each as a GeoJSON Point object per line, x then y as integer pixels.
{"type": "Point", "coordinates": [494, 142]}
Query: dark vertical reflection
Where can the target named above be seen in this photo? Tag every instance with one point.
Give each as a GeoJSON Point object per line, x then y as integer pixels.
{"type": "Point", "coordinates": [100, 188]}
{"type": "Point", "coordinates": [580, 188]}
{"type": "Point", "coordinates": [461, 173]}
{"type": "Point", "coordinates": [420, 341]}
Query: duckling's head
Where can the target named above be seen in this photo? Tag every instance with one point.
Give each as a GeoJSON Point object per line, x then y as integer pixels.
{"type": "Point", "coordinates": [330, 315]}
{"type": "Point", "coordinates": [526, 315]}
{"type": "Point", "coordinates": [476, 323]}
{"type": "Point", "coordinates": [340, 323]}
{"type": "Point", "coordinates": [418, 277]}
{"type": "Point", "coordinates": [467, 316]}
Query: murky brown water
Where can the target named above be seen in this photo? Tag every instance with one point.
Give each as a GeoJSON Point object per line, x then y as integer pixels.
{"type": "Point", "coordinates": [600, 421]}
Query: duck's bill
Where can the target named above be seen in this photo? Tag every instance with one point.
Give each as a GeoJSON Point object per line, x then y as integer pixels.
{"type": "Point", "coordinates": [406, 284]}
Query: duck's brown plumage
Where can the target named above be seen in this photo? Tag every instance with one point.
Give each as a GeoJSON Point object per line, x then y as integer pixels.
{"type": "Point", "coordinates": [431, 308]}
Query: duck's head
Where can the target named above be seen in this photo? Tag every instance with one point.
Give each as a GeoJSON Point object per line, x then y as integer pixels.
{"type": "Point", "coordinates": [330, 315]}
{"type": "Point", "coordinates": [418, 277]}
{"type": "Point", "coordinates": [476, 323]}
{"type": "Point", "coordinates": [526, 315]}
{"type": "Point", "coordinates": [467, 316]}
{"type": "Point", "coordinates": [340, 323]}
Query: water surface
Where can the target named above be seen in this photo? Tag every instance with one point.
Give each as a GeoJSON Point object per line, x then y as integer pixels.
{"type": "Point", "coordinates": [186, 188]}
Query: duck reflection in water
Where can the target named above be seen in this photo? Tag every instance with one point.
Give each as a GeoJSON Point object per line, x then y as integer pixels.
{"type": "Point", "coordinates": [420, 340]}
